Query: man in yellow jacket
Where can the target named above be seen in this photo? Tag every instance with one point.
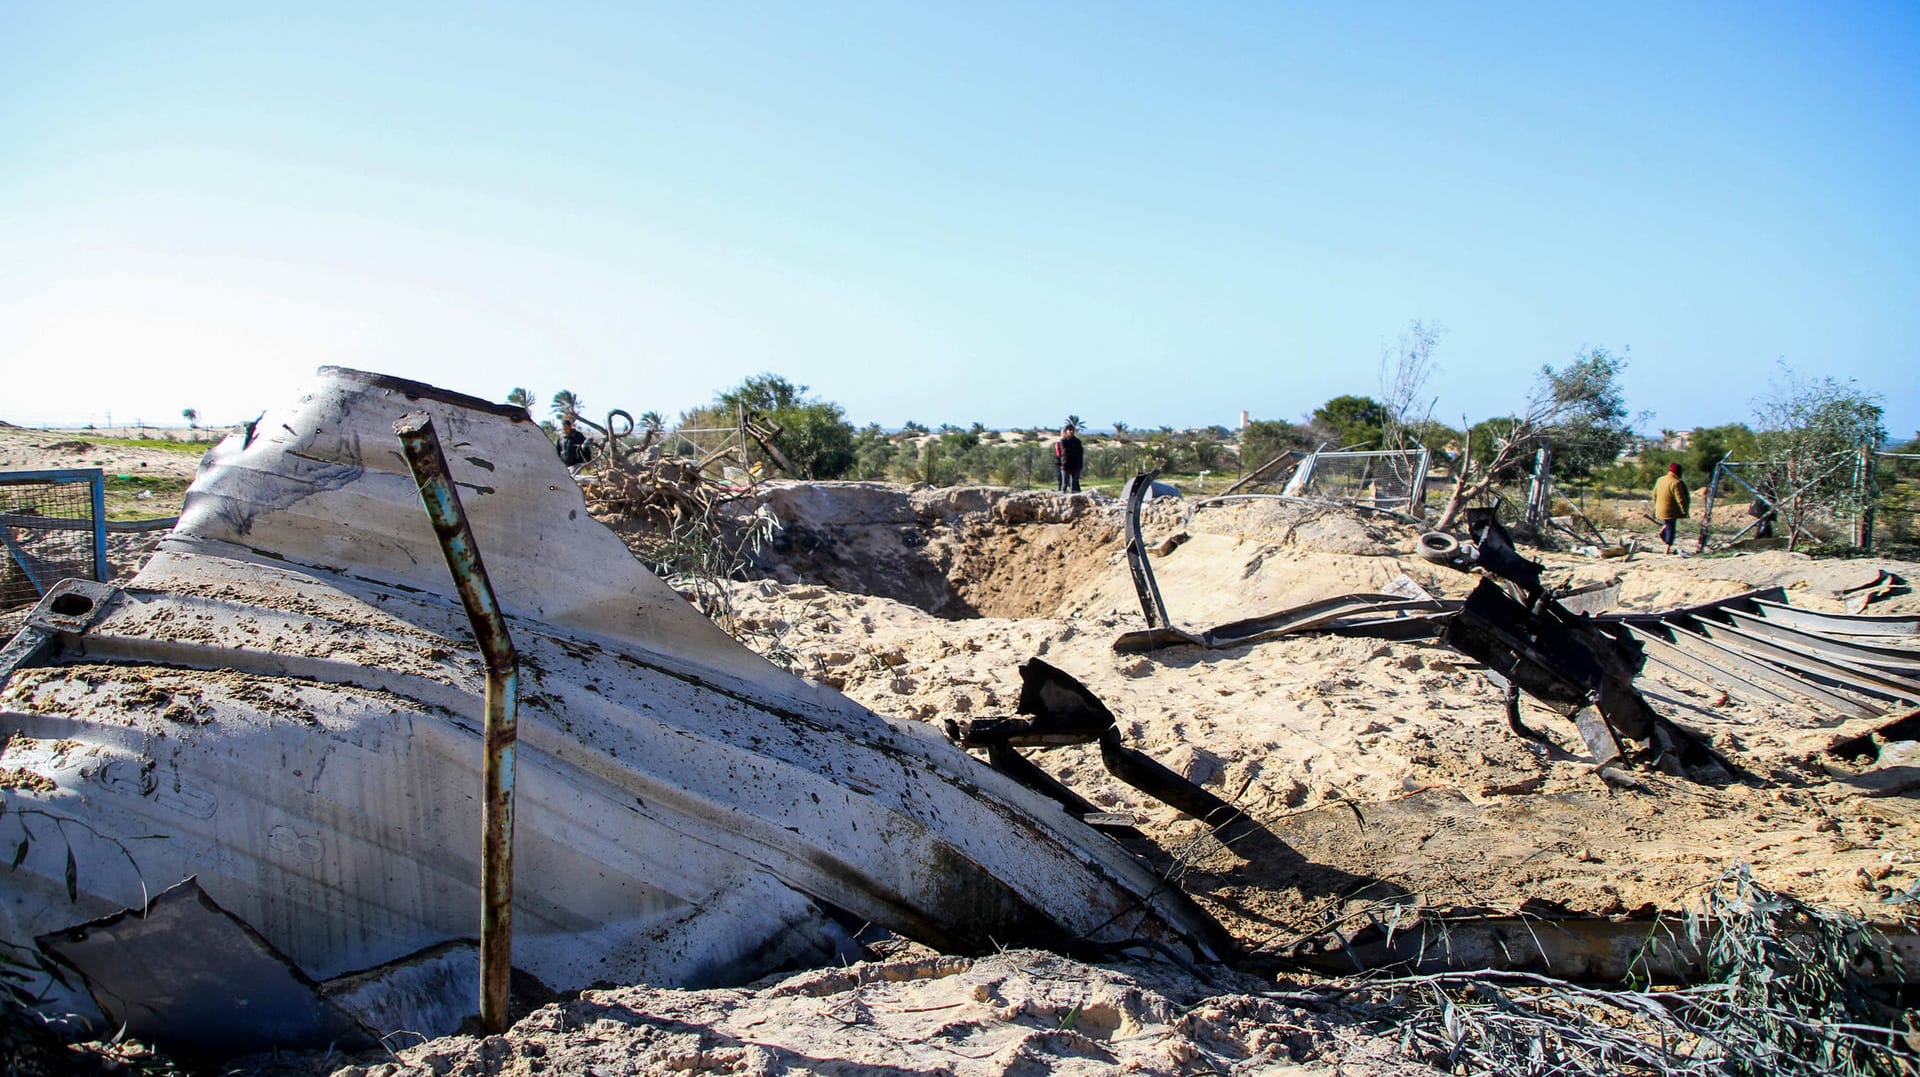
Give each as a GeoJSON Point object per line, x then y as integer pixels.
{"type": "Point", "coordinates": [1669, 503]}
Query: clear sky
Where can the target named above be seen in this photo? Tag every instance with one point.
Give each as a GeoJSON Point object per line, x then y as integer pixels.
{"type": "Point", "coordinates": [954, 212]}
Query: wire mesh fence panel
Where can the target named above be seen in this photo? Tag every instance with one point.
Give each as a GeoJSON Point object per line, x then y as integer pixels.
{"type": "Point", "coordinates": [1387, 480]}
{"type": "Point", "coordinates": [52, 528]}
{"type": "Point", "coordinates": [1896, 487]}
{"type": "Point", "coordinates": [713, 449]}
{"type": "Point", "coordinates": [1804, 502]}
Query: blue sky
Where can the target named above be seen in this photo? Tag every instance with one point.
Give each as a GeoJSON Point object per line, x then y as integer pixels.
{"type": "Point", "coordinates": [1148, 213]}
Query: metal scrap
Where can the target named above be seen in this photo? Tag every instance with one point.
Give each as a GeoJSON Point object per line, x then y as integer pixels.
{"type": "Point", "coordinates": [173, 972]}
{"type": "Point", "coordinates": [1063, 711]}
{"type": "Point", "coordinates": [1399, 612]}
{"type": "Point", "coordinates": [1565, 650]}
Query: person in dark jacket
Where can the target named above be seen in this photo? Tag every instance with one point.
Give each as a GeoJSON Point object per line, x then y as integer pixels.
{"type": "Point", "coordinates": [572, 446]}
{"type": "Point", "coordinates": [1069, 456]}
{"type": "Point", "coordinates": [1761, 509]}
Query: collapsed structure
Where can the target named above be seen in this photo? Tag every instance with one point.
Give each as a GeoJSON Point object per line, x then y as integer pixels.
{"type": "Point", "coordinates": [275, 724]}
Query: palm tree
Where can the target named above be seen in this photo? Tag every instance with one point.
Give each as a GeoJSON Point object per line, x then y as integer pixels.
{"type": "Point", "coordinates": [192, 416]}
{"type": "Point", "coordinates": [566, 404]}
{"type": "Point", "coordinates": [520, 398]}
{"type": "Point", "coordinates": [653, 423]}
{"type": "Point", "coordinates": [1073, 421]}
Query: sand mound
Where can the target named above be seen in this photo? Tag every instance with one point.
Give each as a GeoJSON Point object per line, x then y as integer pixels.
{"type": "Point", "coordinates": [1452, 807]}
{"type": "Point", "coordinates": [1021, 1011]}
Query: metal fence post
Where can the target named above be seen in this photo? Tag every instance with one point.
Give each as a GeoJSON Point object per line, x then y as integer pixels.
{"type": "Point", "coordinates": [1863, 520]}
{"type": "Point", "coordinates": [501, 727]}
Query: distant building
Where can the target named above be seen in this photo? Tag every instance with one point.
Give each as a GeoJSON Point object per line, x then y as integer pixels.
{"type": "Point", "coordinates": [1679, 440]}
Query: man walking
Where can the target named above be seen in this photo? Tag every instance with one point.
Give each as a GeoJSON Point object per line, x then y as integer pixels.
{"type": "Point", "coordinates": [1670, 503]}
{"type": "Point", "coordinates": [1068, 457]}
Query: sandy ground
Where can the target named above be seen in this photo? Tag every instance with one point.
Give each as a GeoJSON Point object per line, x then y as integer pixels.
{"type": "Point", "coordinates": [1382, 776]}
{"type": "Point", "coordinates": [1454, 808]}
{"type": "Point", "coordinates": [26, 449]}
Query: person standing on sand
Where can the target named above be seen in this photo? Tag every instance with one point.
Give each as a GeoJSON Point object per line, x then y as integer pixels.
{"type": "Point", "coordinates": [1069, 456]}
{"type": "Point", "coordinates": [1670, 503]}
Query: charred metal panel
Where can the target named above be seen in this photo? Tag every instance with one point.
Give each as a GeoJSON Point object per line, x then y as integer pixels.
{"type": "Point", "coordinates": [1144, 584]}
{"type": "Point", "coordinates": [186, 974]}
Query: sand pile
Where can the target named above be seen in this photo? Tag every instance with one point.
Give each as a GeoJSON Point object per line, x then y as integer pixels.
{"type": "Point", "coordinates": [1021, 1011]}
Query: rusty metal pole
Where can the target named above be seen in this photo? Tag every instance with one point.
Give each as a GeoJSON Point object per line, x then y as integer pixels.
{"type": "Point", "coordinates": [1863, 519]}
{"type": "Point", "coordinates": [501, 725]}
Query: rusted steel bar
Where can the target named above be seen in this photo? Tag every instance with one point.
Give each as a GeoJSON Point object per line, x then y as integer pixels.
{"type": "Point", "coordinates": [501, 727]}
{"type": "Point", "coordinates": [1148, 775]}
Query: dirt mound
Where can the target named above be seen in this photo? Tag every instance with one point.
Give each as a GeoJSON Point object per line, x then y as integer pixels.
{"type": "Point", "coordinates": [1381, 772]}
{"type": "Point", "coordinates": [955, 552]}
{"type": "Point", "coordinates": [1021, 1011]}
{"type": "Point", "coordinates": [1309, 525]}
{"type": "Point", "coordinates": [982, 552]}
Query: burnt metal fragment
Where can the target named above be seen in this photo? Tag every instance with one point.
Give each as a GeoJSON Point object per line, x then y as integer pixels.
{"type": "Point", "coordinates": [1062, 711]}
{"type": "Point", "coordinates": [1144, 584]}
{"type": "Point", "coordinates": [1566, 661]}
{"type": "Point", "coordinates": [186, 973]}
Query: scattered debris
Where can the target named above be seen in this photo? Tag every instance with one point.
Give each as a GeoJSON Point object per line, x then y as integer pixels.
{"type": "Point", "coordinates": [1860, 596]}
{"type": "Point", "coordinates": [1569, 653]}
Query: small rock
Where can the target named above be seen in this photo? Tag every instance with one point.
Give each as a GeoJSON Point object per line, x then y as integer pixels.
{"type": "Point", "coordinates": [1517, 787]}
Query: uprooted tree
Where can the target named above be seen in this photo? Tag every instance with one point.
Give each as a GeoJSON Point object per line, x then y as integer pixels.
{"type": "Point", "coordinates": [1578, 409]}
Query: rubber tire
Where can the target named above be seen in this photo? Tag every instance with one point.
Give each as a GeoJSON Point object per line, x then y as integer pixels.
{"type": "Point", "coordinates": [1438, 547]}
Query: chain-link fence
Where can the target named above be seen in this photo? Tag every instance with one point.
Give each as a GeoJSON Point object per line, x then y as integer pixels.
{"type": "Point", "coordinates": [1383, 480]}
{"type": "Point", "coordinates": [1896, 504]}
{"type": "Point", "coordinates": [1829, 499]}
{"type": "Point", "coordinates": [52, 527]}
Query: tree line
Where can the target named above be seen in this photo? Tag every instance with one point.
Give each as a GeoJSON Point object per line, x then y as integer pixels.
{"type": "Point", "coordinates": [1577, 411]}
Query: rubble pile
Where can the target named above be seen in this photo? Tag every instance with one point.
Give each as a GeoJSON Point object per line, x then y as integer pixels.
{"type": "Point", "coordinates": [658, 493]}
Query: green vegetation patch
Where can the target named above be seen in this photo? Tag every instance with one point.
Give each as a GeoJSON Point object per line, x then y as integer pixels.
{"type": "Point", "coordinates": [195, 446]}
{"type": "Point", "coordinates": [163, 495]}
